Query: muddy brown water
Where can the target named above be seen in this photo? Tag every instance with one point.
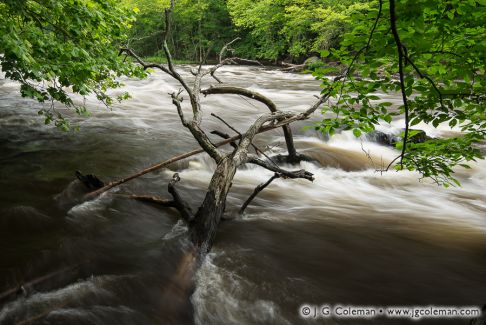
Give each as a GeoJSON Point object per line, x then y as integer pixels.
{"type": "Point", "coordinates": [353, 236]}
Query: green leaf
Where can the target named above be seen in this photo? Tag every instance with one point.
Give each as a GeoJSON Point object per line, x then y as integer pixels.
{"type": "Point", "coordinates": [325, 53]}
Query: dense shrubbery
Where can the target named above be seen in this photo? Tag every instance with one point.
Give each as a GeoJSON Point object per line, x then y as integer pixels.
{"type": "Point", "coordinates": [199, 28]}
{"type": "Point", "coordinates": [269, 29]}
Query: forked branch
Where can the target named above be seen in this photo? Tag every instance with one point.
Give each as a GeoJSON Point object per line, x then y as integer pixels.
{"type": "Point", "coordinates": [302, 116]}
{"type": "Point", "coordinates": [177, 202]}
{"type": "Point", "coordinates": [293, 157]}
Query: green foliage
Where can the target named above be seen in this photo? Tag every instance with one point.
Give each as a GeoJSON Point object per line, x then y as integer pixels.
{"type": "Point", "coordinates": [56, 48]}
{"type": "Point", "coordinates": [269, 29]}
{"type": "Point", "coordinates": [277, 28]}
{"type": "Point", "coordinates": [444, 63]}
{"type": "Point", "coordinates": [199, 28]}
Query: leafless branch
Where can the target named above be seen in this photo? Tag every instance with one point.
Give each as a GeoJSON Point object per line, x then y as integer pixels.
{"type": "Point", "coordinates": [293, 157]}
{"type": "Point", "coordinates": [179, 203]}
{"type": "Point", "coordinates": [243, 92]}
{"type": "Point", "coordinates": [225, 48]}
{"type": "Point", "coordinates": [284, 173]}
{"type": "Point", "coordinates": [257, 190]}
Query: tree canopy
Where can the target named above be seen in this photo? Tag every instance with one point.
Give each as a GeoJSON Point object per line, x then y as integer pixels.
{"type": "Point", "coordinates": [199, 28]}
{"type": "Point", "coordinates": [269, 30]}
{"type": "Point", "coordinates": [431, 52]}
{"type": "Point", "coordinates": [292, 28]}
{"type": "Point", "coordinates": [55, 47]}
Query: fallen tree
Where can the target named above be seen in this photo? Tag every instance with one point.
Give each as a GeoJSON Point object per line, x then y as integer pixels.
{"type": "Point", "coordinates": [204, 222]}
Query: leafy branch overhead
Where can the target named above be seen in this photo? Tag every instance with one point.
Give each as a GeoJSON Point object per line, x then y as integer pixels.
{"type": "Point", "coordinates": [434, 53]}
{"type": "Point", "coordinates": [54, 48]}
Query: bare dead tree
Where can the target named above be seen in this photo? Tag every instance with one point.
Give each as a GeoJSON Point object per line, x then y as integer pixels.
{"type": "Point", "coordinates": [203, 224]}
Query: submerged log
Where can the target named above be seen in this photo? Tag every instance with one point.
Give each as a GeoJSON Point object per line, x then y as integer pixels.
{"type": "Point", "coordinates": [91, 182]}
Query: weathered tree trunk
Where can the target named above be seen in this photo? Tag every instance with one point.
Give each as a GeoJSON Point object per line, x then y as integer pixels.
{"type": "Point", "coordinates": [205, 223]}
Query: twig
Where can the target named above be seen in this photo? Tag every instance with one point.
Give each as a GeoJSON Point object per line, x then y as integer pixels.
{"type": "Point", "coordinates": [226, 136]}
{"type": "Point", "coordinates": [401, 56]}
{"type": "Point", "coordinates": [227, 124]}
{"type": "Point", "coordinates": [225, 47]}
{"type": "Point", "coordinates": [257, 190]}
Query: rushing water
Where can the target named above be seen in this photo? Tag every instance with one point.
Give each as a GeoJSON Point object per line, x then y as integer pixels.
{"type": "Point", "coordinates": [353, 236]}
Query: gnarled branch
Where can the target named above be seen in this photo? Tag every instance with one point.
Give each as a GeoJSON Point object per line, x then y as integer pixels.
{"type": "Point", "coordinates": [243, 92]}
{"type": "Point", "coordinates": [289, 140]}
{"type": "Point", "coordinates": [174, 159]}
{"type": "Point", "coordinates": [179, 203]}
{"type": "Point", "coordinates": [283, 172]}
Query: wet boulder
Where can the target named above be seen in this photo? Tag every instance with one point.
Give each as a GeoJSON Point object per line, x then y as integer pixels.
{"type": "Point", "coordinates": [389, 139]}
{"type": "Point", "coordinates": [312, 61]}
{"type": "Point", "coordinates": [382, 138]}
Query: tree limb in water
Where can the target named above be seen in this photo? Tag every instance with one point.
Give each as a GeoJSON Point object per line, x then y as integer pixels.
{"type": "Point", "coordinates": [203, 226]}
{"type": "Point", "coordinates": [257, 190]}
{"type": "Point", "coordinates": [149, 198]}
{"type": "Point", "coordinates": [283, 172]}
{"type": "Point", "coordinates": [179, 203]}
{"type": "Point", "coordinates": [113, 184]}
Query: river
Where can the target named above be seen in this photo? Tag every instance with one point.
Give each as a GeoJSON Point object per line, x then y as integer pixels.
{"type": "Point", "coordinates": [353, 236]}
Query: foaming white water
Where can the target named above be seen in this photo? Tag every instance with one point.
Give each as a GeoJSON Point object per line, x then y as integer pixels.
{"type": "Point", "coordinates": [442, 130]}
{"type": "Point", "coordinates": [95, 315]}
{"type": "Point", "coordinates": [179, 228]}
{"type": "Point", "coordinates": [222, 297]}
{"type": "Point", "coordinates": [89, 212]}
{"type": "Point", "coordinates": [368, 194]}
{"type": "Point", "coordinates": [347, 190]}
{"type": "Point", "coordinates": [346, 182]}
{"type": "Point", "coordinates": [360, 194]}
